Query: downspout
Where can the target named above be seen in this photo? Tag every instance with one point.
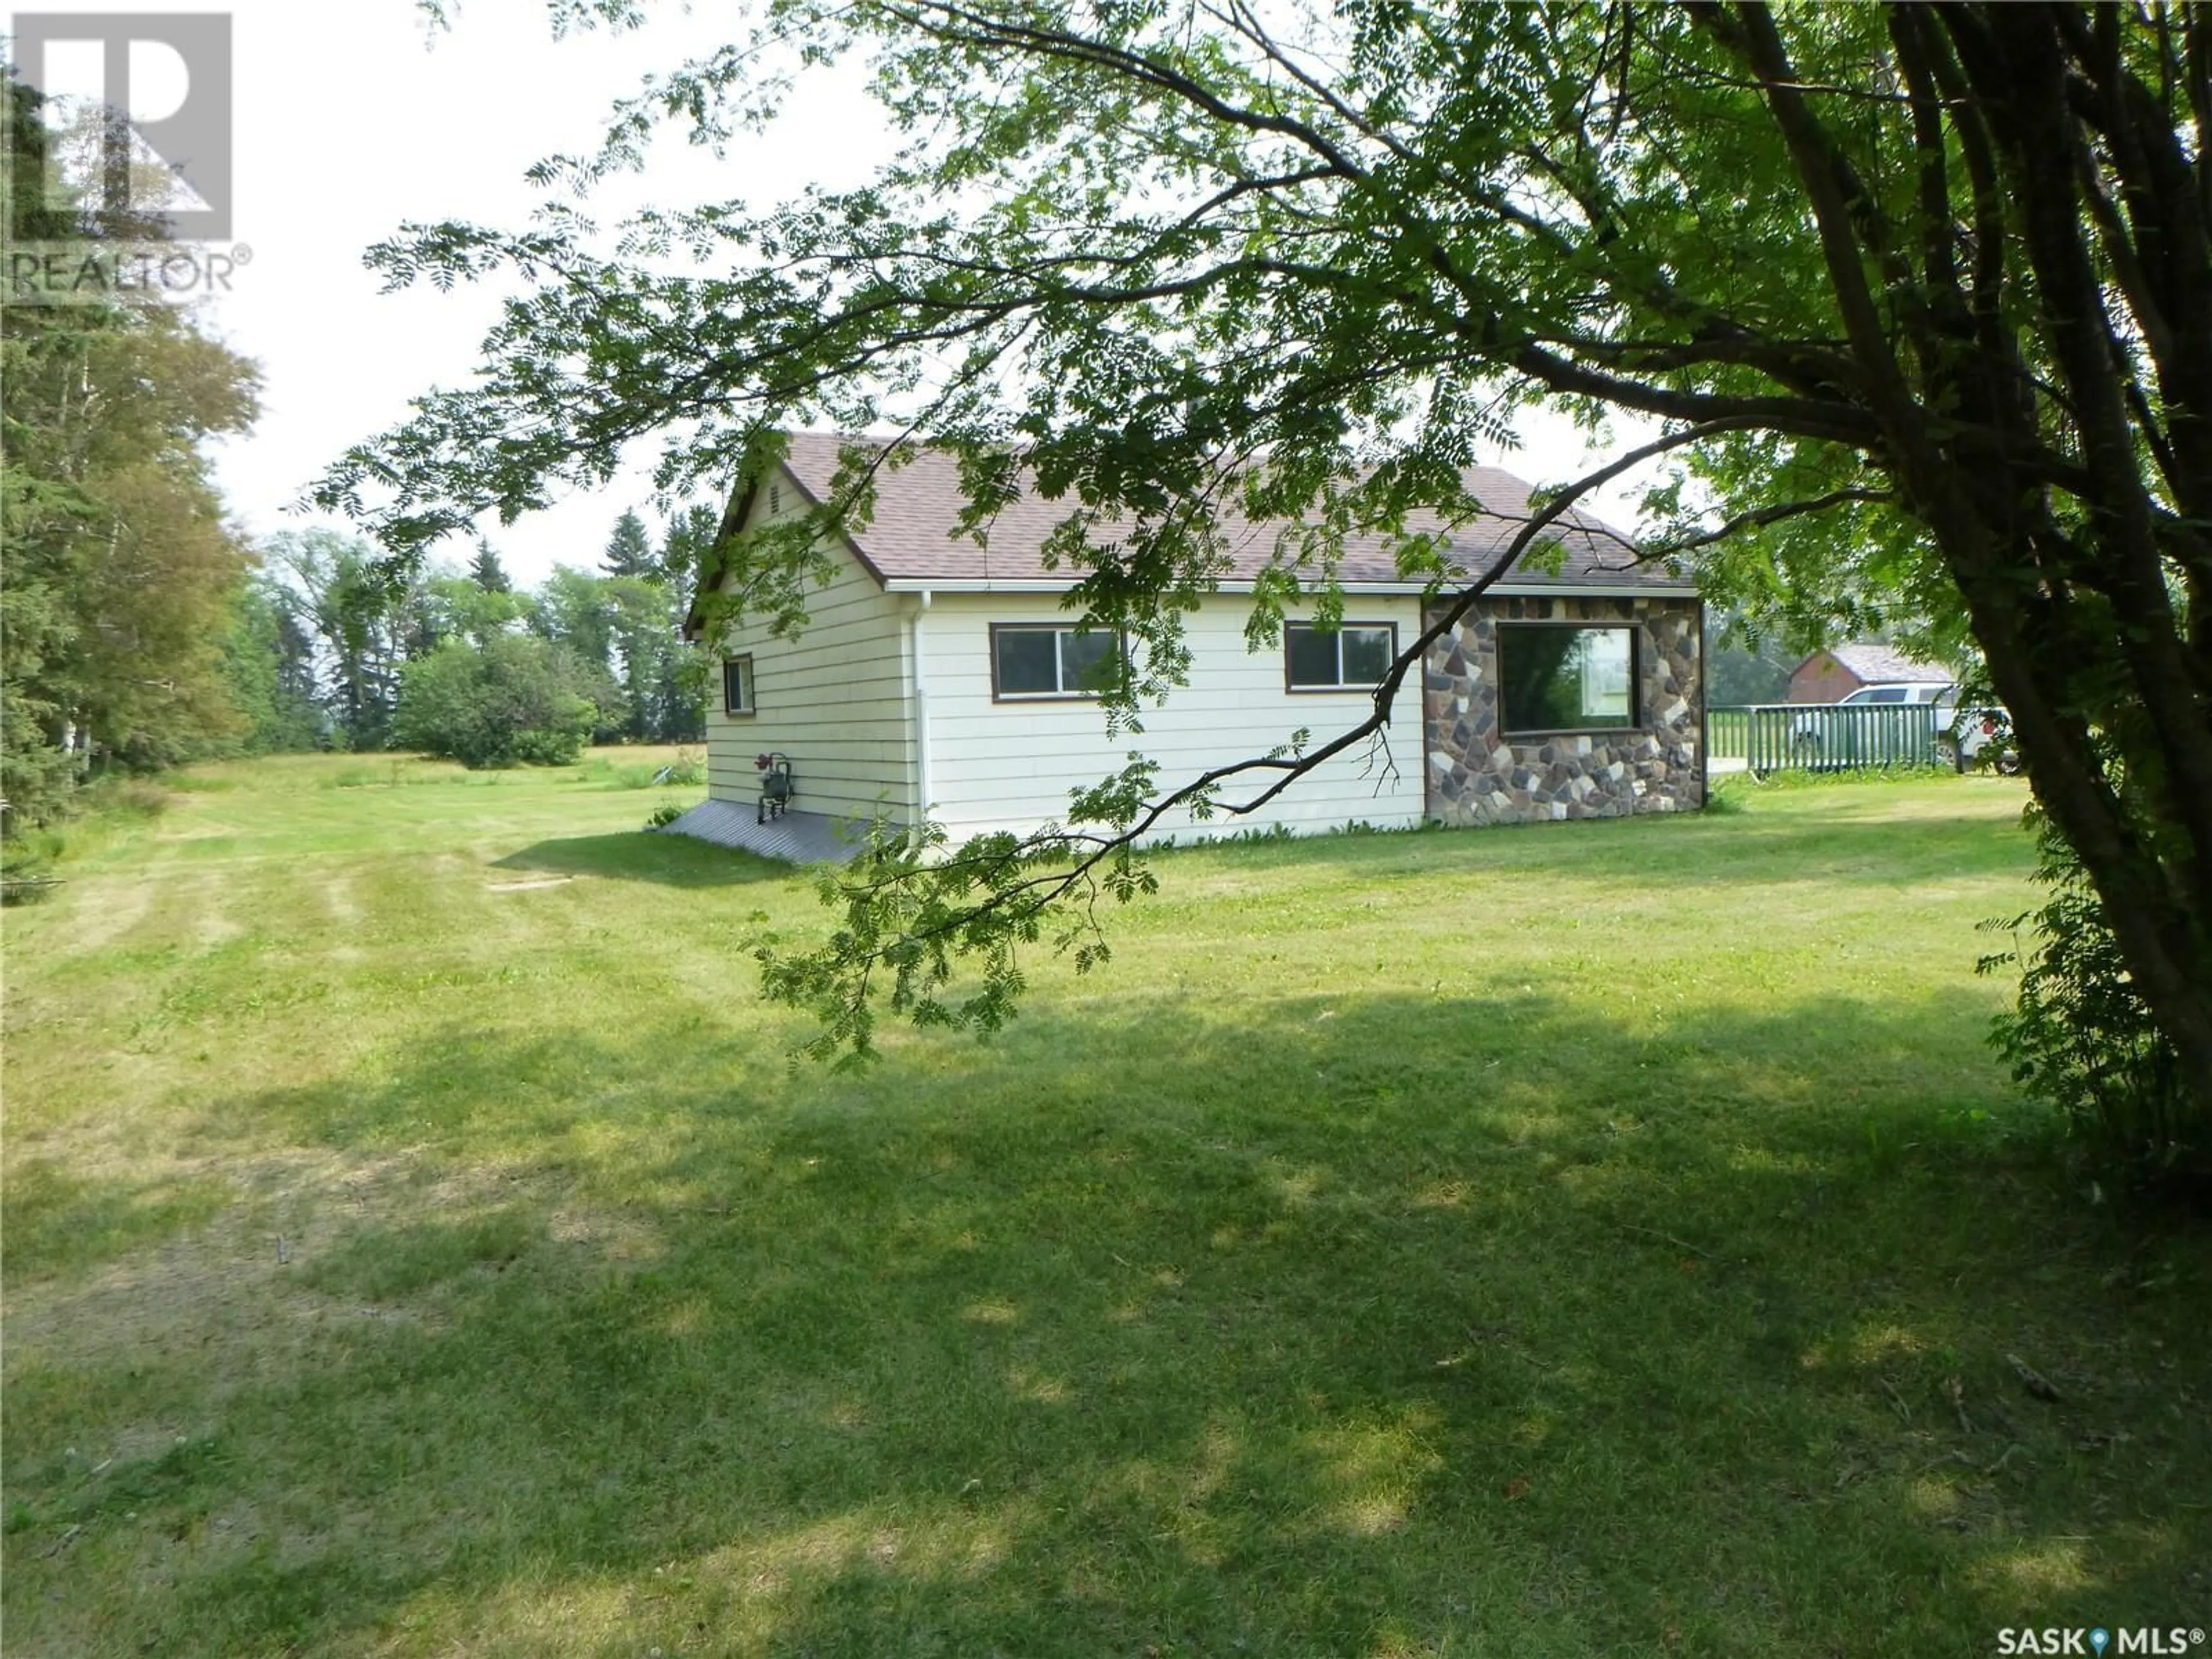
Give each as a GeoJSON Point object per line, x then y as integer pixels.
{"type": "Point", "coordinates": [920, 714]}
{"type": "Point", "coordinates": [1705, 714]}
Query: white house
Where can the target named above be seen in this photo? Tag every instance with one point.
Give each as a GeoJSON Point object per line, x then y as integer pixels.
{"type": "Point", "coordinates": [938, 676]}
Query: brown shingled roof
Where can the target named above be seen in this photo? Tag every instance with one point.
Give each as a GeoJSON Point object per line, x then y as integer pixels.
{"type": "Point", "coordinates": [1884, 665]}
{"type": "Point", "coordinates": [912, 537]}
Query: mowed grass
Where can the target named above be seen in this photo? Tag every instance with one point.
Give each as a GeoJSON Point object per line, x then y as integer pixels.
{"type": "Point", "coordinates": [1607, 1238]}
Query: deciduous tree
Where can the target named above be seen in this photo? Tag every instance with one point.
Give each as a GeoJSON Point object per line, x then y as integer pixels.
{"type": "Point", "coordinates": [269, 663]}
{"type": "Point", "coordinates": [516, 699]}
{"type": "Point", "coordinates": [116, 571]}
{"type": "Point", "coordinates": [368, 621]}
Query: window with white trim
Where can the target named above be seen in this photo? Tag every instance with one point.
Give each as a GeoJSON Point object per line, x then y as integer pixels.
{"type": "Point", "coordinates": [737, 685]}
{"type": "Point", "coordinates": [1559, 678]}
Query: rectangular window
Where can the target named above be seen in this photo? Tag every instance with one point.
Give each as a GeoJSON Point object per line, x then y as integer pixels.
{"type": "Point", "coordinates": [1566, 679]}
{"type": "Point", "coordinates": [1355, 656]}
{"type": "Point", "coordinates": [1041, 660]}
{"type": "Point", "coordinates": [737, 685]}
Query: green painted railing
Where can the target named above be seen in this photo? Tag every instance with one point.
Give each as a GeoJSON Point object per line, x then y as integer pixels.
{"type": "Point", "coordinates": [1728, 732]}
{"type": "Point", "coordinates": [1778, 736]}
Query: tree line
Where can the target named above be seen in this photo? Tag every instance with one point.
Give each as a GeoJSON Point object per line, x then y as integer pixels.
{"type": "Point", "coordinates": [347, 654]}
{"type": "Point", "coordinates": [118, 574]}
{"type": "Point", "coordinates": [139, 628]}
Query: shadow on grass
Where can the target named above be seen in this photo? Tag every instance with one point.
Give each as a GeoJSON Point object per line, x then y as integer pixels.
{"type": "Point", "coordinates": [56, 1218]}
{"type": "Point", "coordinates": [674, 860]}
{"type": "Point", "coordinates": [1349, 1324]}
{"type": "Point", "coordinates": [1766, 843]}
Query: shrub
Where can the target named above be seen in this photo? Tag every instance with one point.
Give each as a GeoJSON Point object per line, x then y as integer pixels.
{"type": "Point", "coordinates": [688, 767]}
{"type": "Point", "coordinates": [667, 813]}
{"type": "Point", "coordinates": [30, 852]}
{"type": "Point", "coordinates": [515, 699]}
{"type": "Point", "coordinates": [2079, 1037]}
{"type": "Point", "coordinates": [126, 797]}
{"type": "Point", "coordinates": [26, 864]}
{"type": "Point", "coordinates": [37, 780]}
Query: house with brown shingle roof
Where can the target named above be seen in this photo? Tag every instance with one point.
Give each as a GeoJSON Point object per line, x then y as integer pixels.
{"type": "Point", "coordinates": [941, 676]}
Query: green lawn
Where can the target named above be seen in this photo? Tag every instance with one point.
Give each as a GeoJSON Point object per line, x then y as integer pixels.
{"type": "Point", "coordinates": [1600, 1238]}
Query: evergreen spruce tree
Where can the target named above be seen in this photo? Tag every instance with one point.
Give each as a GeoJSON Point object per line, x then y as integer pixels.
{"type": "Point", "coordinates": [487, 572]}
{"type": "Point", "coordinates": [629, 552]}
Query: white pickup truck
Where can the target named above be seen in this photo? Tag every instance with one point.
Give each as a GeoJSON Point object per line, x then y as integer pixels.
{"type": "Point", "coordinates": [1976, 737]}
{"type": "Point", "coordinates": [1965, 737]}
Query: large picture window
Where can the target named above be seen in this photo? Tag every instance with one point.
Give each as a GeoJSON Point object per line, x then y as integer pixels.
{"type": "Point", "coordinates": [1042, 660]}
{"type": "Point", "coordinates": [1566, 679]}
{"type": "Point", "coordinates": [737, 685]}
{"type": "Point", "coordinates": [1356, 655]}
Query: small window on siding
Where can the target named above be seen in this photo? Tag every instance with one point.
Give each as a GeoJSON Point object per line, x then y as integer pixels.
{"type": "Point", "coordinates": [1354, 657]}
{"type": "Point", "coordinates": [1041, 660]}
{"type": "Point", "coordinates": [776, 501]}
{"type": "Point", "coordinates": [1566, 679]}
{"type": "Point", "coordinates": [737, 685]}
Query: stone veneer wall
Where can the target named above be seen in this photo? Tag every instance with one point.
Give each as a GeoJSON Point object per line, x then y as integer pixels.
{"type": "Point", "coordinates": [1476, 775]}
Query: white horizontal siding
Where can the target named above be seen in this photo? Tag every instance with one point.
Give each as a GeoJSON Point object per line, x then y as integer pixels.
{"type": "Point", "coordinates": [833, 701]}
{"type": "Point", "coordinates": [1010, 764]}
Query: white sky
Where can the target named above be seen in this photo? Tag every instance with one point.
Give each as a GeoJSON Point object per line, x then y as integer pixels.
{"type": "Point", "coordinates": [350, 116]}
